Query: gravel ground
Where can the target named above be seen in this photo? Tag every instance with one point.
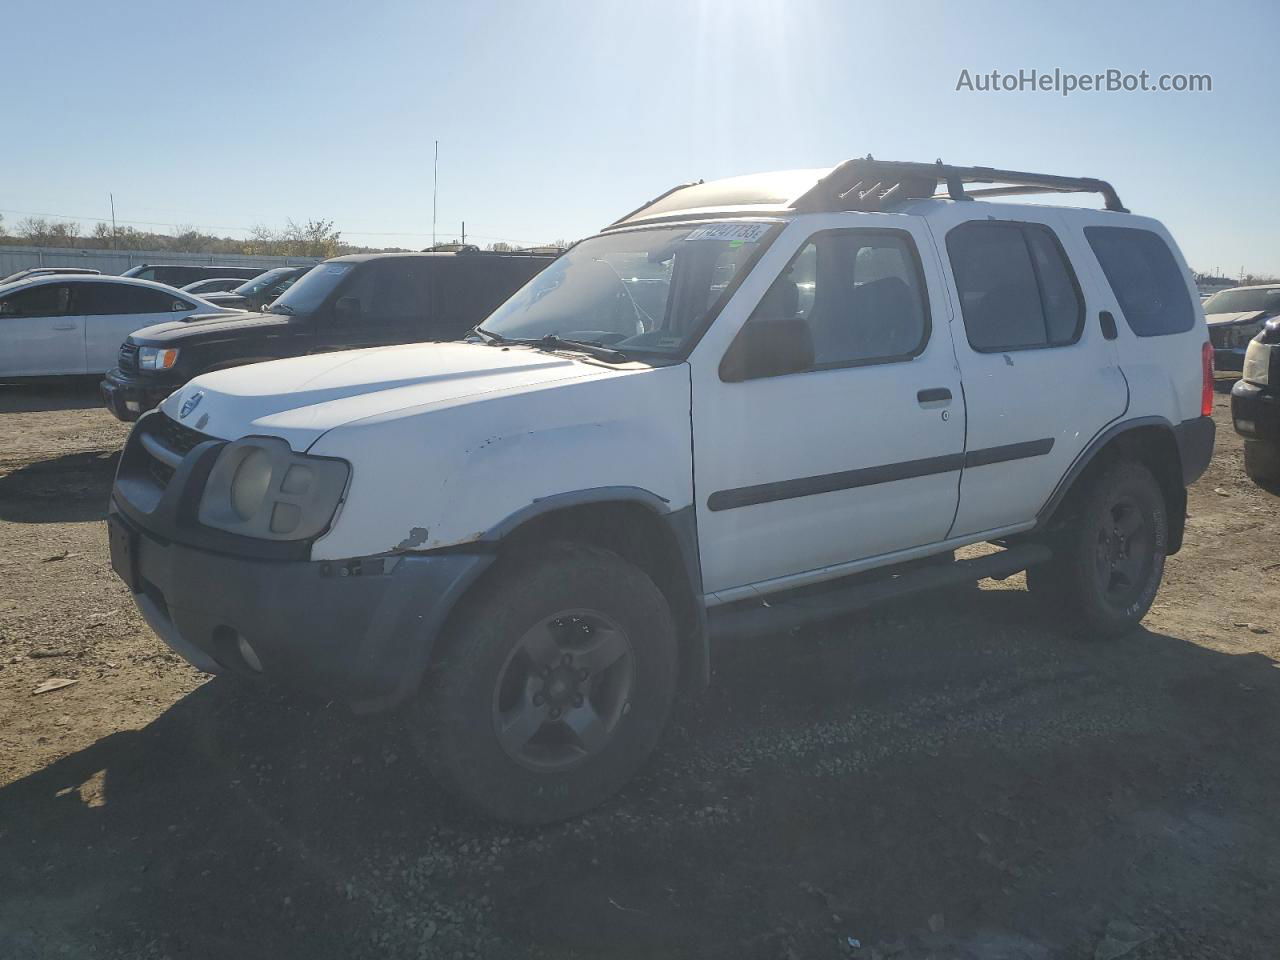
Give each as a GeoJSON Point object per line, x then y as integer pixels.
{"type": "Point", "coordinates": [949, 777]}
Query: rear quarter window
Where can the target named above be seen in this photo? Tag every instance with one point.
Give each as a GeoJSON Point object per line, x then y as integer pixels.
{"type": "Point", "coordinates": [1146, 279]}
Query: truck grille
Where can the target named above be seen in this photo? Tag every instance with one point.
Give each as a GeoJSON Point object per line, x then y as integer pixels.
{"type": "Point", "coordinates": [129, 357]}
{"type": "Point", "coordinates": [175, 438]}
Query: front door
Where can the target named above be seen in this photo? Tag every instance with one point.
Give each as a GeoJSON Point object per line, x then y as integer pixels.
{"type": "Point", "coordinates": [385, 301]}
{"type": "Point", "coordinates": [39, 333]}
{"type": "Point", "coordinates": [859, 456]}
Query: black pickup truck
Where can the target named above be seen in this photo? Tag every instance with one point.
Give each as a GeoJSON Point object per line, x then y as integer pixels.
{"type": "Point", "coordinates": [365, 300]}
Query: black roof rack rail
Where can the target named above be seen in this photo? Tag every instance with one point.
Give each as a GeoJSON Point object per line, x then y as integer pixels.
{"type": "Point", "coordinates": [869, 184]}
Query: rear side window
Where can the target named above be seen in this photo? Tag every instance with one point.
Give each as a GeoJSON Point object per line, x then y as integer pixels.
{"type": "Point", "coordinates": [1147, 282]}
{"type": "Point", "coordinates": [1017, 289]}
{"type": "Point", "coordinates": [102, 299]}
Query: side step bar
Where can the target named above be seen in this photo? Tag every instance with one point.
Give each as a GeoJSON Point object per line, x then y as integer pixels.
{"type": "Point", "coordinates": [755, 618]}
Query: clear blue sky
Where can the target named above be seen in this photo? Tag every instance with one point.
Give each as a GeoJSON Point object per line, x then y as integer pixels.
{"type": "Point", "coordinates": [555, 117]}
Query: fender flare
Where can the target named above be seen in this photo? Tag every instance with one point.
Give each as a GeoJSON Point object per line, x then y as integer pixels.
{"type": "Point", "coordinates": [681, 524]}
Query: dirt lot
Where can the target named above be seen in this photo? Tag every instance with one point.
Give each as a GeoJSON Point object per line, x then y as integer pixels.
{"type": "Point", "coordinates": [949, 778]}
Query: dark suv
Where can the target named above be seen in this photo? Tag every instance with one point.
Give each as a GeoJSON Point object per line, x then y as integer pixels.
{"type": "Point", "coordinates": [366, 300]}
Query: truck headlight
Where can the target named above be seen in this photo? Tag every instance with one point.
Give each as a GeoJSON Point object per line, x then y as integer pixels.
{"type": "Point", "coordinates": [157, 358]}
{"type": "Point", "coordinates": [1257, 363]}
{"type": "Point", "coordinates": [258, 487]}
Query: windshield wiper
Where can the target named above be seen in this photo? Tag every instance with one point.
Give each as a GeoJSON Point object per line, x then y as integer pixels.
{"type": "Point", "coordinates": [280, 308]}
{"type": "Point", "coordinates": [552, 342]}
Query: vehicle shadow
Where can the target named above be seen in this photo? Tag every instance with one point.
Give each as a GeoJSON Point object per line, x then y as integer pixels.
{"type": "Point", "coordinates": [952, 758]}
{"type": "Point", "coordinates": [64, 393]}
{"type": "Point", "coordinates": [71, 488]}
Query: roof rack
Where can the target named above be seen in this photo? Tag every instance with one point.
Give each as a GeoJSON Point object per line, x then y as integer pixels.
{"type": "Point", "coordinates": [869, 184]}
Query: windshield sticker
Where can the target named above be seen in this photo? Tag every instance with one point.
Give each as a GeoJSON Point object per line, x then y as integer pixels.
{"type": "Point", "coordinates": [739, 233]}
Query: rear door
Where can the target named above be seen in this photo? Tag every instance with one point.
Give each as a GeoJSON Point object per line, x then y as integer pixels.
{"type": "Point", "coordinates": [40, 334]}
{"type": "Point", "coordinates": [112, 311]}
{"type": "Point", "coordinates": [800, 476]}
{"type": "Point", "coordinates": [1040, 379]}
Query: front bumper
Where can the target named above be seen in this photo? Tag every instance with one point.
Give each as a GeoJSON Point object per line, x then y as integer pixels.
{"type": "Point", "coordinates": [127, 398]}
{"type": "Point", "coordinates": [357, 631]}
{"type": "Point", "coordinates": [1255, 412]}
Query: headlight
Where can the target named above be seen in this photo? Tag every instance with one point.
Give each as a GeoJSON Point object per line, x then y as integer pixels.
{"type": "Point", "coordinates": [1257, 363]}
{"type": "Point", "coordinates": [258, 487]}
{"type": "Point", "coordinates": [156, 358]}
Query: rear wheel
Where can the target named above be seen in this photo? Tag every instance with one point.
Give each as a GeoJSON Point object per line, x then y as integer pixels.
{"type": "Point", "coordinates": [554, 684]}
{"type": "Point", "coordinates": [1262, 460]}
{"type": "Point", "coordinates": [1109, 561]}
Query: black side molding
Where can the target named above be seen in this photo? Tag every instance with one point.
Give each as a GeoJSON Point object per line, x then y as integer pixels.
{"type": "Point", "coordinates": [870, 476]}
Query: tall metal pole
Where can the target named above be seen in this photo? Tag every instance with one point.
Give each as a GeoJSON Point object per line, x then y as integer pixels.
{"type": "Point", "coordinates": [435, 190]}
{"type": "Point", "coordinates": [464, 233]}
{"type": "Point", "coordinates": [113, 220]}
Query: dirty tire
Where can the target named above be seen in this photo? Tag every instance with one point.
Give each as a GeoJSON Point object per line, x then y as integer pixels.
{"type": "Point", "coordinates": [1109, 562]}
{"type": "Point", "coordinates": [559, 597]}
{"type": "Point", "coordinates": [1262, 461]}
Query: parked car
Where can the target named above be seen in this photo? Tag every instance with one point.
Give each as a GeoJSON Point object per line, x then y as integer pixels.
{"type": "Point", "coordinates": [357, 301]}
{"type": "Point", "coordinates": [529, 537]}
{"type": "Point", "coordinates": [255, 294]}
{"type": "Point", "coordinates": [1235, 317]}
{"type": "Point", "coordinates": [1255, 404]}
{"type": "Point", "coordinates": [43, 272]}
{"type": "Point", "coordinates": [214, 285]}
{"type": "Point", "coordinates": [74, 323]}
{"type": "Point", "coordinates": [178, 274]}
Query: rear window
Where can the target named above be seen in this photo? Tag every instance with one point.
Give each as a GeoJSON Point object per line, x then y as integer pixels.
{"type": "Point", "coordinates": [1147, 282]}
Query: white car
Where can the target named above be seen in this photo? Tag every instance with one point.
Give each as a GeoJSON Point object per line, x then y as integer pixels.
{"type": "Point", "coordinates": [74, 323]}
{"type": "Point", "coordinates": [748, 404]}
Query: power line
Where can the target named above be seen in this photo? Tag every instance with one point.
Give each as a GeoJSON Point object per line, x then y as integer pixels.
{"type": "Point", "coordinates": [207, 226]}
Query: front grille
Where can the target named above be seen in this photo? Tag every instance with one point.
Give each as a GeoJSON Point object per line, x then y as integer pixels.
{"type": "Point", "coordinates": [129, 357]}
{"type": "Point", "coordinates": [175, 437]}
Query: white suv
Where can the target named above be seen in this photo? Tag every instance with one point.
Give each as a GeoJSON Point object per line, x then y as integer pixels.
{"type": "Point", "coordinates": [747, 404]}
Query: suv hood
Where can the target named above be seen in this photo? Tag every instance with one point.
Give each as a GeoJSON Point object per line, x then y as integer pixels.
{"type": "Point", "coordinates": [1219, 319]}
{"type": "Point", "coordinates": [203, 325]}
{"type": "Point", "coordinates": [301, 398]}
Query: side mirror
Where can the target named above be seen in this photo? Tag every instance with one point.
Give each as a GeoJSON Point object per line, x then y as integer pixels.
{"type": "Point", "coordinates": [347, 309]}
{"type": "Point", "coordinates": [768, 348]}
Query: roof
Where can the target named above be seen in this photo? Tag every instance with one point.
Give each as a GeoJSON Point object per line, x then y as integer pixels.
{"type": "Point", "coordinates": [860, 184]}
{"type": "Point", "coordinates": [439, 254]}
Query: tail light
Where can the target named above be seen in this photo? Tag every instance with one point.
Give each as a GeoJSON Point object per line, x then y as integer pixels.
{"type": "Point", "coordinates": [1206, 387]}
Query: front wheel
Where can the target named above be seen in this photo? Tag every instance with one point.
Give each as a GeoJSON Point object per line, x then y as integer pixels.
{"type": "Point", "coordinates": [553, 686]}
{"type": "Point", "coordinates": [1109, 561]}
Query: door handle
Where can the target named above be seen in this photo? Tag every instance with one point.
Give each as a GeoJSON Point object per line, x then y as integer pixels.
{"type": "Point", "coordinates": [934, 395]}
{"type": "Point", "coordinates": [64, 326]}
{"type": "Point", "coordinates": [1108, 324]}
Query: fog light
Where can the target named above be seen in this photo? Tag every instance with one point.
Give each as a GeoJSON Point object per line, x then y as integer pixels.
{"type": "Point", "coordinates": [1246, 426]}
{"type": "Point", "coordinates": [250, 657]}
{"type": "Point", "coordinates": [133, 406]}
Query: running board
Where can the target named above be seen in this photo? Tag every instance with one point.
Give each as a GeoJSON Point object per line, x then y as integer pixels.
{"type": "Point", "coordinates": [768, 615]}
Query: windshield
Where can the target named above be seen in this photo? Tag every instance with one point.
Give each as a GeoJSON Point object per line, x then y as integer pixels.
{"type": "Point", "coordinates": [639, 291]}
{"type": "Point", "coordinates": [1244, 301]}
{"type": "Point", "coordinates": [311, 288]}
{"type": "Point", "coordinates": [262, 281]}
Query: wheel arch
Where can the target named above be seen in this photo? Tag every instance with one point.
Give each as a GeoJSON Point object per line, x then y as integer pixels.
{"type": "Point", "coordinates": [1151, 441]}
{"type": "Point", "coordinates": [643, 529]}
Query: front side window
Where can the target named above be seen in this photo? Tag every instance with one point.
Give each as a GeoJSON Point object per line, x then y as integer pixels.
{"type": "Point", "coordinates": [391, 289]}
{"type": "Point", "coordinates": [1017, 290]}
{"type": "Point", "coordinates": [47, 300]}
{"type": "Point", "coordinates": [640, 291]}
{"type": "Point", "coordinates": [1148, 284]}
{"type": "Point", "coordinates": [859, 293]}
